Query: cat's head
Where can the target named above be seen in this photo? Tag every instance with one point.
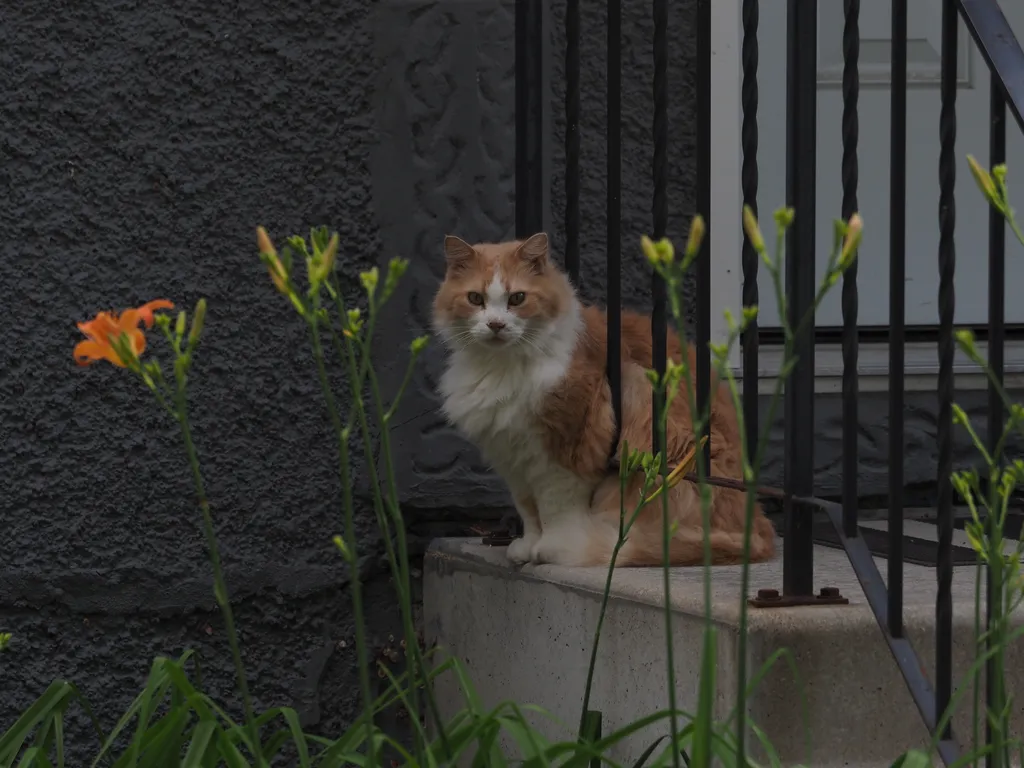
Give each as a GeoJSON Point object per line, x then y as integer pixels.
{"type": "Point", "coordinates": [498, 296]}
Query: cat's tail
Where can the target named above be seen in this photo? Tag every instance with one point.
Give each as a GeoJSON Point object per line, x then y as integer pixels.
{"type": "Point", "coordinates": [644, 545]}
{"type": "Point", "coordinates": [686, 547]}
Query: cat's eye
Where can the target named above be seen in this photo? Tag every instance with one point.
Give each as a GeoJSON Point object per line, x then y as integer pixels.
{"type": "Point", "coordinates": [516, 299]}
{"type": "Point", "coordinates": [476, 299]}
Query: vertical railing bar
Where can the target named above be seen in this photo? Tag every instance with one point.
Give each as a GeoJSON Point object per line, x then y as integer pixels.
{"type": "Point", "coordinates": [529, 118]}
{"type": "Point", "coordinates": [572, 140]}
{"type": "Point", "coordinates": [614, 209]}
{"type": "Point", "coordinates": [703, 353]}
{"type": "Point", "coordinates": [996, 319]}
{"type": "Point", "coordinates": [751, 262]}
{"type": "Point", "coordinates": [659, 205]}
{"type": "Point", "coordinates": [850, 130]}
{"type": "Point", "coordinates": [897, 308]}
{"type": "Point", "coordinates": [947, 305]}
{"type": "Point", "coordinates": [801, 164]}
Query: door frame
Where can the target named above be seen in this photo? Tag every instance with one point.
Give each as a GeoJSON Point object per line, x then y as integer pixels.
{"type": "Point", "coordinates": [726, 241]}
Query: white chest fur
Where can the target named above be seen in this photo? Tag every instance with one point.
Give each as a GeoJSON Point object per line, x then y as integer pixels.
{"type": "Point", "coordinates": [495, 401]}
{"type": "Point", "coordinates": [494, 397]}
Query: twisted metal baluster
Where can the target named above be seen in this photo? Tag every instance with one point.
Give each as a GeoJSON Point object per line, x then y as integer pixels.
{"type": "Point", "coordinates": [851, 92]}
{"type": "Point", "coordinates": [572, 140]}
{"type": "Point", "coordinates": [748, 176]}
{"type": "Point", "coordinates": [897, 308]}
{"type": "Point", "coordinates": [947, 304]}
{"type": "Point", "coordinates": [659, 207]}
{"type": "Point", "coordinates": [748, 143]}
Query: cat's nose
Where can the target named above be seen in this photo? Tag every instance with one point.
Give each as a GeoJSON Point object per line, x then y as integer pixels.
{"type": "Point", "coordinates": [496, 325]}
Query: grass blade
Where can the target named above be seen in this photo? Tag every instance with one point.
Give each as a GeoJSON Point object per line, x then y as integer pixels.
{"type": "Point", "coordinates": [202, 737]}
{"type": "Point", "coordinates": [13, 741]}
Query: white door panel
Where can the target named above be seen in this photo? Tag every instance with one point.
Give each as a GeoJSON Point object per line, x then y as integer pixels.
{"type": "Point", "coordinates": [923, 104]}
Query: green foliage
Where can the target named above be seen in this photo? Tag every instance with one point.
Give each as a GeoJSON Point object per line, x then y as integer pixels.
{"type": "Point", "coordinates": [987, 494]}
{"type": "Point", "coordinates": [173, 723]}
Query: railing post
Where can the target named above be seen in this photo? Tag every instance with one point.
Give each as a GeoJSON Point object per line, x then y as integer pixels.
{"type": "Point", "coordinates": [801, 165]}
{"type": "Point", "coordinates": [947, 304]}
{"type": "Point", "coordinates": [572, 140]}
{"type": "Point", "coordinates": [996, 319]}
{"type": "Point", "coordinates": [850, 302]}
{"type": "Point", "coordinates": [529, 56]}
{"type": "Point", "coordinates": [659, 211]}
{"type": "Point", "coordinates": [897, 308]}
{"type": "Point", "coordinates": [751, 261]}
{"type": "Point", "coordinates": [614, 210]}
{"type": "Point", "coordinates": [703, 353]}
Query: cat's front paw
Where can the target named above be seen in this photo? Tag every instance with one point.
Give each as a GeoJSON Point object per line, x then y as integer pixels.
{"type": "Point", "coordinates": [553, 549]}
{"type": "Point", "coordinates": [519, 550]}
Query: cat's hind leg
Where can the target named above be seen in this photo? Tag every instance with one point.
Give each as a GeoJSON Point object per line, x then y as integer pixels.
{"type": "Point", "coordinates": [571, 535]}
{"type": "Point", "coordinates": [519, 550]}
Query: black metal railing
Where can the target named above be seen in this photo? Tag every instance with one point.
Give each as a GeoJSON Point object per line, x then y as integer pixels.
{"type": "Point", "coordinates": [992, 35]}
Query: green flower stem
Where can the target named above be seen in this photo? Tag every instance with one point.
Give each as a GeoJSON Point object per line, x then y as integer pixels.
{"type": "Point", "coordinates": [359, 366]}
{"type": "Point", "coordinates": [979, 649]}
{"type": "Point", "coordinates": [606, 593]}
{"type": "Point", "coordinates": [666, 570]}
{"type": "Point", "coordinates": [412, 641]}
{"type": "Point", "coordinates": [220, 586]}
{"type": "Point", "coordinates": [348, 516]}
{"type": "Point", "coordinates": [673, 281]}
{"type": "Point", "coordinates": [401, 582]}
{"type": "Point", "coordinates": [753, 480]}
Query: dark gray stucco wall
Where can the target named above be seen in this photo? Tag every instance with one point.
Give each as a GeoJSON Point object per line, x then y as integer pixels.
{"type": "Point", "coordinates": [140, 145]}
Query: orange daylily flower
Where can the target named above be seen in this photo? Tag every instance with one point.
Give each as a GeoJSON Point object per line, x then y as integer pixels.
{"type": "Point", "coordinates": [107, 327]}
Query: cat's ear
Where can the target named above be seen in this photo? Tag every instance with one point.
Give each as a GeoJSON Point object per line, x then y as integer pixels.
{"type": "Point", "coordinates": [458, 253]}
{"type": "Point", "coordinates": [534, 251]}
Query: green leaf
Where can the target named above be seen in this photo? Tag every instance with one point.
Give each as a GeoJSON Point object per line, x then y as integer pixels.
{"type": "Point", "coordinates": [35, 758]}
{"type": "Point", "coordinates": [915, 758]}
{"type": "Point", "coordinates": [232, 757]}
{"type": "Point", "coordinates": [291, 717]}
{"type": "Point", "coordinates": [646, 754]}
{"type": "Point", "coordinates": [55, 698]}
{"type": "Point", "coordinates": [202, 737]}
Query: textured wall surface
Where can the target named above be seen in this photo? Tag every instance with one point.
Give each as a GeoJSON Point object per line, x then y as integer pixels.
{"type": "Point", "coordinates": [140, 144]}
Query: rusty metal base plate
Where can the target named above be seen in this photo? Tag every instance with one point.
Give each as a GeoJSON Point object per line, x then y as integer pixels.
{"type": "Point", "coordinates": [770, 598]}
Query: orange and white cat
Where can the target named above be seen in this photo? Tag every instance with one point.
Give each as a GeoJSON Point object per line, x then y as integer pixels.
{"type": "Point", "coordinates": [525, 381]}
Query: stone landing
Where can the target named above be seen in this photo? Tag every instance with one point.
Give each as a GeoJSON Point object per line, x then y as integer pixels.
{"type": "Point", "coordinates": [525, 634]}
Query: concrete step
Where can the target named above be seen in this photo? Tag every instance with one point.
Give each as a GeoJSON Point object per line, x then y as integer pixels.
{"type": "Point", "coordinates": [525, 634]}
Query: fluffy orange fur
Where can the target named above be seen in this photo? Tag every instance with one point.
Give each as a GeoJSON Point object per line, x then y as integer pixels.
{"type": "Point", "coordinates": [582, 440]}
{"type": "Point", "coordinates": [575, 421]}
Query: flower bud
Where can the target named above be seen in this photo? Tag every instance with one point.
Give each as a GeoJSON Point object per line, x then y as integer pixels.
{"type": "Point", "coordinates": [984, 180]}
{"type": "Point", "coordinates": [784, 218]}
{"type": "Point", "coordinates": [965, 338]}
{"type": "Point", "coordinates": [343, 548]}
{"type": "Point", "coordinates": [419, 344]}
{"type": "Point", "coordinates": [369, 279]}
{"type": "Point", "coordinates": [198, 317]}
{"type": "Point", "coordinates": [320, 271]}
{"type": "Point", "coordinates": [278, 273]}
{"type": "Point", "coordinates": [696, 238]}
{"type": "Point", "coordinates": [650, 252]}
{"type": "Point", "coordinates": [396, 269]}
{"type": "Point", "coordinates": [750, 226]}
{"type": "Point", "coordinates": [854, 232]}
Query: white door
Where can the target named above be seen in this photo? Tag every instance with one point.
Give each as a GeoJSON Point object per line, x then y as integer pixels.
{"type": "Point", "coordinates": [922, 237]}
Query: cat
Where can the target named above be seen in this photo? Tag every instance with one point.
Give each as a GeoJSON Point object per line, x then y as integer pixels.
{"type": "Point", "coordinates": [525, 381]}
